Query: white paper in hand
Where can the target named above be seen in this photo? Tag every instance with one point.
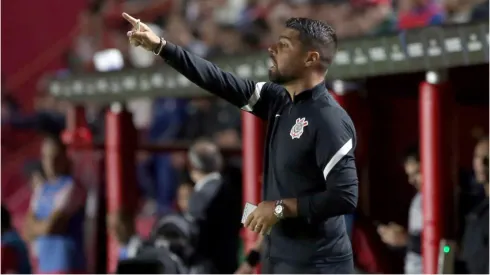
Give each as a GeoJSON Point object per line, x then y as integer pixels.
{"type": "Point", "coordinates": [249, 208]}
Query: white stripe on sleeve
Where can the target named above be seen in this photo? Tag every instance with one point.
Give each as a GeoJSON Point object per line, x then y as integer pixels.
{"type": "Point", "coordinates": [254, 98]}
{"type": "Point", "coordinates": [337, 157]}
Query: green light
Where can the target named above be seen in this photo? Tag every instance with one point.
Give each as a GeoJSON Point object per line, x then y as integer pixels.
{"type": "Point", "coordinates": [446, 249]}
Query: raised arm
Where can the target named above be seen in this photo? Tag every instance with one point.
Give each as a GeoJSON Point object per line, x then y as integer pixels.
{"type": "Point", "coordinates": [250, 96]}
{"type": "Point", "coordinates": [246, 94]}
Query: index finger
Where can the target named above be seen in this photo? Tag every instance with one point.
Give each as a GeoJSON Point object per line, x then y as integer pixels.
{"type": "Point", "coordinates": [130, 19]}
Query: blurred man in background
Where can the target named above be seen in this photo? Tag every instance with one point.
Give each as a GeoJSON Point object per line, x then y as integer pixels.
{"type": "Point", "coordinates": [475, 238]}
{"type": "Point", "coordinates": [480, 161]}
{"type": "Point", "coordinates": [15, 257]}
{"type": "Point", "coordinates": [184, 192]}
{"type": "Point", "coordinates": [395, 235]}
{"type": "Point", "coordinates": [56, 216]}
{"type": "Point", "coordinates": [212, 207]}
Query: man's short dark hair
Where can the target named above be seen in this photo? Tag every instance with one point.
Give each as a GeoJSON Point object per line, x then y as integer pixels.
{"type": "Point", "coordinates": [412, 153]}
{"type": "Point", "coordinates": [316, 35]}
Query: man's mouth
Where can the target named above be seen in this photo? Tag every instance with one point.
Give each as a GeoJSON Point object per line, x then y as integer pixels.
{"type": "Point", "coordinates": [272, 63]}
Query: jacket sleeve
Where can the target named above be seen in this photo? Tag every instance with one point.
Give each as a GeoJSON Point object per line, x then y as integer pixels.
{"type": "Point", "coordinates": [250, 96]}
{"type": "Point", "coordinates": [335, 144]}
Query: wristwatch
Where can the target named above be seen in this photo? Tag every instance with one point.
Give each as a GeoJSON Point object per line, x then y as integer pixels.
{"type": "Point", "coordinates": [279, 209]}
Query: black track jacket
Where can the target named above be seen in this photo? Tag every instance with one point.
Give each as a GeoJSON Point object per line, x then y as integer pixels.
{"type": "Point", "coordinates": [309, 156]}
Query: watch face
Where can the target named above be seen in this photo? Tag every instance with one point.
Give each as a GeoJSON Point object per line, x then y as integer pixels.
{"type": "Point", "coordinates": [278, 209]}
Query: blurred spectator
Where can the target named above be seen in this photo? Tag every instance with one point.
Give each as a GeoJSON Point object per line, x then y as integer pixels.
{"type": "Point", "coordinates": [395, 235]}
{"type": "Point", "coordinates": [480, 160]}
{"type": "Point", "coordinates": [123, 228]}
{"type": "Point", "coordinates": [480, 11]}
{"type": "Point", "coordinates": [183, 194]}
{"type": "Point", "coordinates": [177, 30]}
{"type": "Point", "coordinates": [463, 11]}
{"type": "Point", "coordinates": [15, 257]}
{"type": "Point", "coordinates": [54, 224]}
{"type": "Point", "coordinates": [475, 239]}
{"type": "Point", "coordinates": [419, 13]}
{"type": "Point", "coordinates": [472, 192]}
{"type": "Point", "coordinates": [215, 28]}
{"type": "Point", "coordinates": [211, 206]}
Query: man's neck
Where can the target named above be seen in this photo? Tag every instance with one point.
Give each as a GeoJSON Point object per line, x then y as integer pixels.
{"type": "Point", "coordinates": [298, 86]}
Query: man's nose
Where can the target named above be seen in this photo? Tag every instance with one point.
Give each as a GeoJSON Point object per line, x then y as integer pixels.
{"type": "Point", "coordinates": [271, 50]}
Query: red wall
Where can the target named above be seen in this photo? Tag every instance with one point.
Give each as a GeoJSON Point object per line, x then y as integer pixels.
{"type": "Point", "coordinates": [31, 31]}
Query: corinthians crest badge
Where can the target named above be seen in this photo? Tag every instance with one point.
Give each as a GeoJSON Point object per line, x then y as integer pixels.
{"type": "Point", "coordinates": [297, 129]}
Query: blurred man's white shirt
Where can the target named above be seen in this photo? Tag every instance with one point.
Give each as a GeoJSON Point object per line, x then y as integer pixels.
{"type": "Point", "coordinates": [413, 261]}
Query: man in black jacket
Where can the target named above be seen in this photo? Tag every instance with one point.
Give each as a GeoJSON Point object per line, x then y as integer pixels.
{"type": "Point", "coordinates": [214, 207]}
{"type": "Point", "coordinates": [310, 177]}
{"type": "Point", "coordinates": [475, 239]}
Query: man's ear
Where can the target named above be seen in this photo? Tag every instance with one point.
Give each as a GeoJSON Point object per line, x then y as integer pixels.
{"type": "Point", "coordinates": [312, 58]}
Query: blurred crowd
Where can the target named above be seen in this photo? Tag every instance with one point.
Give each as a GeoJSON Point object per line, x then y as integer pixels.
{"type": "Point", "coordinates": [213, 28]}
{"type": "Point", "coordinates": [198, 232]}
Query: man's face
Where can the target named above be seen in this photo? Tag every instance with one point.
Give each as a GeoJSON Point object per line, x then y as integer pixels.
{"type": "Point", "coordinates": [479, 167]}
{"type": "Point", "coordinates": [49, 154]}
{"type": "Point", "coordinates": [412, 169]}
{"type": "Point", "coordinates": [119, 227]}
{"type": "Point", "coordinates": [183, 195]}
{"type": "Point", "coordinates": [288, 58]}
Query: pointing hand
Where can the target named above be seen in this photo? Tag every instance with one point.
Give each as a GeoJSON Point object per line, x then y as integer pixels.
{"type": "Point", "coordinates": [141, 34]}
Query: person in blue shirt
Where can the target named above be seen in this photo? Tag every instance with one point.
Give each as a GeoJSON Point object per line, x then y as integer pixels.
{"type": "Point", "coordinates": [55, 219]}
{"type": "Point", "coordinates": [14, 249]}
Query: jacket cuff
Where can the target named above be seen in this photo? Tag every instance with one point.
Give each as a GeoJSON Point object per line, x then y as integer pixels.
{"type": "Point", "coordinates": [168, 51]}
{"type": "Point", "coordinates": [304, 207]}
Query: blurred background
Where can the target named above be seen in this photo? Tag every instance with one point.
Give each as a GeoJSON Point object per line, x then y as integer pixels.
{"type": "Point", "coordinates": [114, 170]}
